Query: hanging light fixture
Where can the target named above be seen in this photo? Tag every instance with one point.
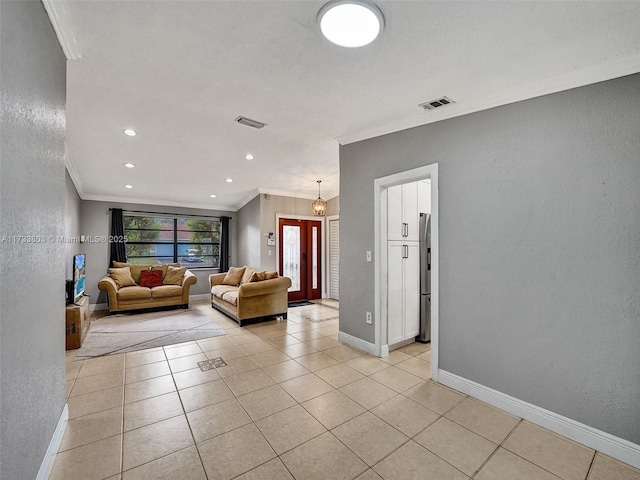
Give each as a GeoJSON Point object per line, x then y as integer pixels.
{"type": "Point", "coordinates": [319, 206]}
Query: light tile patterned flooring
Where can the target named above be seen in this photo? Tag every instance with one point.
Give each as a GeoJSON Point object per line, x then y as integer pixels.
{"type": "Point", "coordinates": [294, 402]}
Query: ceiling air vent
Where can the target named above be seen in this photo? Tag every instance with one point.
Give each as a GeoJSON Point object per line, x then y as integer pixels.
{"type": "Point", "coordinates": [433, 104]}
{"type": "Point", "coordinates": [249, 123]}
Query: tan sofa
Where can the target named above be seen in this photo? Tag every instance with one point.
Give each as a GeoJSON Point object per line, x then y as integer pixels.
{"type": "Point", "coordinates": [137, 297]}
{"type": "Point", "coordinates": [250, 302]}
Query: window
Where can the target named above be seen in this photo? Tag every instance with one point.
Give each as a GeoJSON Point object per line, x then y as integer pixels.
{"type": "Point", "coordinates": [192, 242]}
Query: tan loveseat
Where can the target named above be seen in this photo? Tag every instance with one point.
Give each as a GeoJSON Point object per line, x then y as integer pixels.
{"type": "Point", "coordinates": [136, 297]}
{"type": "Point", "coordinates": [250, 298]}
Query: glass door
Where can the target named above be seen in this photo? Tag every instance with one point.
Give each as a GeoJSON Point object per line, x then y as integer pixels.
{"type": "Point", "coordinates": [300, 257]}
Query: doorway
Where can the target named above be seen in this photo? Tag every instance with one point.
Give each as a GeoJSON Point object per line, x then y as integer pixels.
{"type": "Point", "coordinates": [300, 257]}
{"type": "Point", "coordinates": [381, 186]}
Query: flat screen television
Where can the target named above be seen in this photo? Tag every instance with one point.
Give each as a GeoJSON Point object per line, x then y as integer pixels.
{"type": "Point", "coordinates": [78, 276]}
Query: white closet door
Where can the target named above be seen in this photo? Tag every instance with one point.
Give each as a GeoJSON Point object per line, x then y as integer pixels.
{"type": "Point", "coordinates": [395, 227]}
{"type": "Point", "coordinates": [334, 259]}
{"type": "Point", "coordinates": [395, 292]}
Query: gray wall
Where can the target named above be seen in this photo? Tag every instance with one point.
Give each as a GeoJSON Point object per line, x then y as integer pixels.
{"type": "Point", "coordinates": [539, 247]}
{"type": "Point", "coordinates": [71, 223]}
{"type": "Point", "coordinates": [32, 199]}
{"type": "Point", "coordinates": [95, 220]}
{"type": "Point", "coordinates": [333, 206]}
{"type": "Point", "coordinates": [249, 234]}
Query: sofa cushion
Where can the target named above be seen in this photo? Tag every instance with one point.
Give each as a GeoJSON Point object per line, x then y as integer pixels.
{"type": "Point", "coordinates": [166, 291]}
{"type": "Point", "coordinates": [246, 276]}
{"type": "Point", "coordinates": [151, 278]}
{"type": "Point", "coordinates": [174, 275]}
{"type": "Point", "coordinates": [135, 269]}
{"type": "Point", "coordinates": [134, 293]}
{"type": "Point", "coordinates": [161, 268]}
{"type": "Point", "coordinates": [219, 290]}
{"type": "Point", "coordinates": [270, 275]}
{"type": "Point", "coordinates": [122, 277]}
{"type": "Point", "coordinates": [231, 297]}
{"type": "Point", "coordinates": [233, 276]}
{"type": "Point", "coordinates": [257, 276]}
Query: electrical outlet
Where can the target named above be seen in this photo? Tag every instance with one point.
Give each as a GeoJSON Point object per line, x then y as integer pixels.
{"type": "Point", "coordinates": [369, 320]}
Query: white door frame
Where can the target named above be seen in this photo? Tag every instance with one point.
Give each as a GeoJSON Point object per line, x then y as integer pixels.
{"type": "Point", "coordinates": [380, 186]}
{"type": "Point", "coordinates": [323, 286]}
{"type": "Point", "coordinates": [329, 219]}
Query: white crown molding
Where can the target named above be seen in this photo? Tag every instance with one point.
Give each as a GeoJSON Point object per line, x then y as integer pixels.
{"type": "Point", "coordinates": [75, 178]}
{"type": "Point", "coordinates": [62, 25]}
{"type": "Point", "coordinates": [155, 201]}
{"type": "Point", "coordinates": [601, 72]}
{"type": "Point", "coordinates": [254, 194]}
{"type": "Point", "coordinates": [606, 443]}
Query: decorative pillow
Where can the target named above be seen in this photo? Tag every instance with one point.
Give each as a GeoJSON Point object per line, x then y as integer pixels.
{"type": "Point", "coordinates": [122, 277]}
{"type": "Point", "coordinates": [174, 275]}
{"type": "Point", "coordinates": [246, 276]}
{"type": "Point", "coordinates": [257, 276]}
{"type": "Point", "coordinates": [161, 268]}
{"type": "Point", "coordinates": [270, 275]}
{"type": "Point", "coordinates": [151, 278]}
{"type": "Point", "coordinates": [135, 269]}
{"type": "Point", "coordinates": [233, 276]}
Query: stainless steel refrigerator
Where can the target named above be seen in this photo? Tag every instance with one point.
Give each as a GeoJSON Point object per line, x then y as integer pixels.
{"type": "Point", "coordinates": [425, 278]}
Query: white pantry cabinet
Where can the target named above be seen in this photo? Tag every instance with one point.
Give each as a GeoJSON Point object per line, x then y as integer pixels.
{"type": "Point", "coordinates": [403, 215]}
{"type": "Point", "coordinates": [403, 291]}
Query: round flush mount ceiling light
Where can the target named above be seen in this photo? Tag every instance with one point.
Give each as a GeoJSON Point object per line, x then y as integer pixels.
{"type": "Point", "coordinates": [248, 156]}
{"type": "Point", "coordinates": [129, 165]}
{"type": "Point", "coordinates": [128, 186]}
{"type": "Point", "coordinates": [129, 132]}
{"type": "Point", "coordinates": [350, 23]}
{"type": "Point", "coordinates": [229, 180]}
{"type": "Point", "coordinates": [212, 195]}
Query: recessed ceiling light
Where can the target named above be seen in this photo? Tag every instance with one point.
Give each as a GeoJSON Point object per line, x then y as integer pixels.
{"type": "Point", "coordinates": [212, 196]}
{"type": "Point", "coordinates": [229, 180]}
{"type": "Point", "coordinates": [129, 165]}
{"type": "Point", "coordinates": [248, 156]}
{"type": "Point", "coordinates": [350, 23]}
{"type": "Point", "coordinates": [128, 186]}
{"type": "Point", "coordinates": [129, 132]}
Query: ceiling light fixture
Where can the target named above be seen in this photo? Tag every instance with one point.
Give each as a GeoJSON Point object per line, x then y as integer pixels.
{"type": "Point", "coordinates": [319, 206]}
{"type": "Point", "coordinates": [128, 186]}
{"type": "Point", "coordinates": [229, 180]}
{"type": "Point", "coordinates": [350, 23]}
{"type": "Point", "coordinates": [212, 196]}
{"type": "Point", "coordinates": [129, 165]}
{"type": "Point", "coordinates": [248, 156]}
{"type": "Point", "coordinates": [129, 132]}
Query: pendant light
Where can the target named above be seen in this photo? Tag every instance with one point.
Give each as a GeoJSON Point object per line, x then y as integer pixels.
{"type": "Point", "coordinates": [319, 206]}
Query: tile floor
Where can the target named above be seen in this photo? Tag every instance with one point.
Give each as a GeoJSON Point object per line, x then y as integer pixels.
{"type": "Point", "coordinates": [294, 402]}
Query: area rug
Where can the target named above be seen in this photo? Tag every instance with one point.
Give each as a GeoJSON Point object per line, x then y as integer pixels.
{"type": "Point", "coordinates": [137, 331]}
{"type": "Point", "coordinates": [300, 303]}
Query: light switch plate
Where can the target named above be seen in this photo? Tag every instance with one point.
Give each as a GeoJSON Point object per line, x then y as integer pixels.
{"type": "Point", "coordinates": [368, 255]}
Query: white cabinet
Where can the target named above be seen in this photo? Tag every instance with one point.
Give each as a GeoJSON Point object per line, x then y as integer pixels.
{"type": "Point", "coordinates": [403, 216]}
{"type": "Point", "coordinates": [403, 291]}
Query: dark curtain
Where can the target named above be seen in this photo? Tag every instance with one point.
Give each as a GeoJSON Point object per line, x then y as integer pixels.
{"type": "Point", "coordinates": [224, 244]}
{"type": "Point", "coordinates": [118, 252]}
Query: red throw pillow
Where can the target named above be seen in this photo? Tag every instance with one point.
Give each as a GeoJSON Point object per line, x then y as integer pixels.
{"type": "Point", "coordinates": [150, 278]}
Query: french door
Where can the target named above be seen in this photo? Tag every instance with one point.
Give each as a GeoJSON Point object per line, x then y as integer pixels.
{"type": "Point", "coordinates": [300, 257]}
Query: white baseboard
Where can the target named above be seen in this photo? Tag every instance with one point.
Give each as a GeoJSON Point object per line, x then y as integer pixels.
{"type": "Point", "coordinates": [96, 307]}
{"type": "Point", "coordinates": [358, 343]}
{"type": "Point", "coordinates": [200, 296]}
{"type": "Point", "coordinates": [54, 445]}
{"type": "Point", "coordinates": [606, 443]}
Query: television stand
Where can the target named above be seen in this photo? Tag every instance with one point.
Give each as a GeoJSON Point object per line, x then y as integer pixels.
{"type": "Point", "coordinates": [77, 322]}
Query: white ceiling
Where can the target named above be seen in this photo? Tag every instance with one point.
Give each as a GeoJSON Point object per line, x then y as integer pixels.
{"type": "Point", "coordinates": [180, 72]}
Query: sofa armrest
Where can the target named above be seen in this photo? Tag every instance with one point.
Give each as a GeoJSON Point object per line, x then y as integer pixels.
{"type": "Point", "coordinates": [107, 284]}
{"type": "Point", "coordinates": [216, 279]}
{"type": "Point", "coordinates": [264, 287]}
{"type": "Point", "coordinates": [188, 280]}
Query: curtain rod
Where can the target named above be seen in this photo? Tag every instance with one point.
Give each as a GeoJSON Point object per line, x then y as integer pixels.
{"type": "Point", "coordinates": [171, 214]}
